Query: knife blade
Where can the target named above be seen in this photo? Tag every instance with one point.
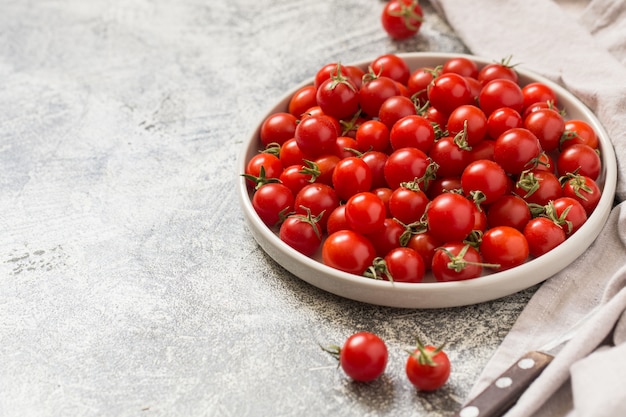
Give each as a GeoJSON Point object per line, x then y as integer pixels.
{"type": "Point", "coordinates": [505, 390]}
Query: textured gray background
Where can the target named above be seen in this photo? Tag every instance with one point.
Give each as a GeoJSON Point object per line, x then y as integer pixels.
{"type": "Point", "coordinates": [129, 284]}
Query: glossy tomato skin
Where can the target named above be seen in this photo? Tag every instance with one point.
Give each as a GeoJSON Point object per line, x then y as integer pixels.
{"type": "Point", "coordinates": [450, 157]}
{"type": "Point", "coordinates": [501, 120]}
{"type": "Point", "coordinates": [386, 238]}
{"type": "Point", "coordinates": [321, 199]}
{"type": "Point", "coordinates": [579, 131]}
{"type": "Point", "coordinates": [516, 149]}
{"type": "Point", "coordinates": [427, 377]}
{"type": "Point", "coordinates": [412, 131]}
{"type": "Point", "coordinates": [363, 356]}
{"type": "Point", "coordinates": [271, 201]}
{"type": "Point", "coordinates": [469, 119]}
{"type": "Point", "coordinates": [394, 109]}
{"type": "Point", "coordinates": [467, 258]}
{"type": "Point", "coordinates": [486, 177]}
{"type": "Point", "coordinates": [570, 210]}
{"type": "Point", "coordinates": [376, 161]}
{"type": "Point", "coordinates": [418, 83]}
{"type": "Point", "coordinates": [449, 91]}
{"type": "Point", "coordinates": [392, 66]}
{"type": "Point", "coordinates": [337, 220]}
{"type": "Point", "coordinates": [302, 100]}
{"type": "Point", "coordinates": [351, 176]}
{"type": "Point", "coordinates": [408, 205]}
{"type": "Point", "coordinates": [365, 212]}
{"type": "Point", "coordinates": [338, 97]}
{"type": "Point", "coordinates": [450, 217]}
{"type": "Point", "coordinates": [538, 92]}
{"type": "Point", "coordinates": [424, 244]}
{"type": "Point", "coordinates": [548, 126]}
{"type": "Point", "coordinates": [509, 210]}
{"type": "Point", "coordinates": [504, 246]}
{"type": "Point", "coordinates": [538, 187]}
{"type": "Point", "coordinates": [277, 128]}
{"type": "Point", "coordinates": [543, 235]}
{"type": "Point", "coordinates": [316, 135]}
{"type": "Point", "coordinates": [583, 189]}
{"type": "Point", "coordinates": [404, 265]}
{"type": "Point", "coordinates": [462, 66]}
{"type": "Point", "coordinates": [271, 165]}
{"type": "Point", "coordinates": [581, 159]}
{"type": "Point", "coordinates": [348, 251]}
{"type": "Point", "coordinates": [374, 92]}
{"type": "Point", "coordinates": [402, 19]}
{"type": "Point", "coordinates": [372, 135]}
{"type": "Point", "coordinates": [501, 93]}
{"type": "Point", "coordinates": [302, 235]}
{"type": "Point", "coordinates": [405, 165]}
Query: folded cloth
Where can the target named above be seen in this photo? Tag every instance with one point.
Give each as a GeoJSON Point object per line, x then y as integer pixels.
{"type": "Point", "coordinates": [580, 45]}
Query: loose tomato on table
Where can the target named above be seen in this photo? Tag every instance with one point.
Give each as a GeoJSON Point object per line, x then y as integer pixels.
{"type": "Point", "coordinates": [428, 367]}
{"type": "Point", "coordinates": [402, 19]}
{"type": "Point", "coordinates": [363, 356]}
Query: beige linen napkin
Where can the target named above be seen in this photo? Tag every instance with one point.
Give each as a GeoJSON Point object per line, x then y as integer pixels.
{"type": "Point", "coordinates": [582, 46]}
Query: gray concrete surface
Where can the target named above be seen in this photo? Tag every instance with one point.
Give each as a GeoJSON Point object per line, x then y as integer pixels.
{"type": "Point", "coordinates": [129, 284]}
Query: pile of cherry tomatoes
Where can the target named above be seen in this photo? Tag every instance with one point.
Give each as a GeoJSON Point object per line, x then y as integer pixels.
{"type": "Point", "coordinates": [389, 172]}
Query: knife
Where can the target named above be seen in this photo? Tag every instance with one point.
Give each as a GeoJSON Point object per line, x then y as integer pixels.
{"type": "Point", "coordinates": [504, 392]}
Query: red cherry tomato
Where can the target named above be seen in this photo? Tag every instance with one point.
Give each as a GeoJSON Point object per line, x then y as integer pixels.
{"type": "Point", "coordinates": [450, 217]}
{"type": "Point", "coordinates": [404, 265]}
{"type": "Point", "coordinates": [302, 233]}
{"type": "Point", "coordinates": [363, 356]}
{"type": "Point", "coordinates": [543, 235]}
{"type": "Point", "coordinates": [402, 19]}
{"type": "Point", "coordinates": [365, 212]}
{"type": "Point", "coordinates": [428, 368]}
{"type": "Point", "coordinates": [348, 251]}
{"type": "Point", "coordinates": [456, 261]}
{"type": "Point", "coordinates": [449, 91]}
{"type": "Point", "coordinates": [277, 128]}
{"type": "Point", "coordinates": [271, 202]}
{"type": "Point", "coordinates": [351, 176]}
{"type": "Point", "coordinates": [504, 246]}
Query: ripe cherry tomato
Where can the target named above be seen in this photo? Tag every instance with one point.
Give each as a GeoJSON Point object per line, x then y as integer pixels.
{"type": "Point", "coordinates": [424, 244]}
{"type": "Point", "coordinates": [363, 356]}
{"type": "Point", "coordinates": [351, 176]}
{"type": "Point", "coordinates": [408, 204]}
{"type": "Point", "coordinates": [501, 120]}
{"type": "Point", "coordinates": [450, 217]}
{"type": "Point", "coordinates": [418, 83]}
{"type": "Point", "coordinates": [449, 91]}
{"type": "Point", "coordinates": [501, 93]}
{"type": "Point", "coordinates": [302, 100]}
{"type": "Point", "coordinates": [372, 135]}
{"type": "Point", "coordinates": [394, 109]}
{"type": "Point", "coordinates": [570, 211]}
{"type": "Point", "coordinates": [262, 166]}
{"type": "Point", "coordinates": [538, 187]}
{"type": "Point", "coordinates": [316, 135]}
{"type": "Point", "coordinates": [509, 210]}
{"type": "Point", "coordinates": [470, 120]}
{"type": "Point", "coordinates": [302, 233]}
{"type": "Point", "coordinates": [290, 153]}
{"type": "Point", "coordinates": [543, 235]}
{"type": "Point", "coordinates": [504, 246]}
{"type": "Point", "coordinates": [404, 265]}
{"type": "Point", "coordinates": [412, 131]}
{"type": "Point", "coordinates": [271, 202]}
{"type": "Point", "coordinates": [583, 189]}
{"type": "Point", "coordinates": [538, 92]}
{"type": "Point", "coordinates": [365, 212]}
{"type": "Point", "coordinates": [386, 238]}
{"type": "Point", "coordinates": [337, 220]}
{"type": "Point", "coordinates": [338, 96]}
{"type": "Point", "coordinates": [319, 198]}
{"type": "Point", "coordinates": [427, 367]}
{"type": "Point", "coordinates": [580, 159]}
{"type": "Point", "coordinates": [548, 125]}
{"type": "Point", "coordinates": [295, 177]}
{"type": "Point", "coordinates": [450, 157]}
{"type": "Point", "coordinates": [485, 181]}
{"type": "Point", "coordinates": [392, 66]}
{"type": "Point", "coordinates": [579, 131]}
{"type": "Point", "coordinates": [376, 161]}
{"type": "Point", "coordinates": [456, 261]}
{"type": "Point", "coordinates": [516, 150]}
{"type": "Point", "coordinates": [462, 66]}
{"type": "Point", "coordinates": [348, 251]}
{"type": "Point", "coordinates": [405, 165]}
{"type": "Point", "coordinates": [277, 128]}
{"type": "Point", "coordinates": [373, 93]}
{"type": "Point", "coordinates": [329, 70]}
{"type": "Point", "coordinates": [497, 70]}
{"type": "Point", "coordinates": [402, 19]}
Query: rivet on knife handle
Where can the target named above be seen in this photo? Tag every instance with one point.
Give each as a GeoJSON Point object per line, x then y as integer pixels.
{"type": "Point", "coordinates": [498, 397]}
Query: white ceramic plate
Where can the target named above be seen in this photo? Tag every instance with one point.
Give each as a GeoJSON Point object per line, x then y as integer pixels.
{"type": "Point", "coordinates": [439, 294]}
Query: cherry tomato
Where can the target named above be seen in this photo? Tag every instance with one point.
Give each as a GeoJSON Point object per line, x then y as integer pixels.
{"type": "Point", "coordinates": [538, 187]}
{"type": "Point", "coordinates": [373, 93]}
{"type": "Point", "coordinates": [412, 131]}
{"type": "Point", "coordinates": [444, 185]}
{"type": "Point", "coordinates": [372, 135]}
{"type": "Point", "coordinates": [451, 159]}
{"type": "Point", "coordinates": [485, 181]}
{"type": "Point", "coordinates": [402, 19]}
{"type": "Point", "coordinates": [497, 70]}
{"type": "Point", "coordinates": [376, 161]}
{"type": "Point", "coordinates": [471, 121]}
{"type": "Point", "coordinates": [394, 109]}
{"type": "Point", "coordinates": [427, 367]}
{"type": "Point", "coordinates": [483, 150]}
{"type": "Point", "coordinates": [290, 153]}
{"type": "Point", "coordinates": [548, 125]}
{"type": "Point", "coordinates": [583, 189]}
{"type": "Point", "coordinates": [320, 199]}
{"type": "Point", "coordinates": [261, 167]}
{"type": "Point", "coordinates": [462, 66]}
{"type": "Point", "coordinates": [418, 83]}
{"type": "Point", "coordinates": [329, 70]}
{"type": "Point", "coordinates": [449, 91]}
{"type": "Point", "coordinates": [456, 261]}
{"type": "Point", "coordinates": [365, 212]}
{"type": "Point", "coordinates": [501, 120]}
{"type": "Point", "coordinates": [408, 204]}
{"type": "Point", "coordinates": [271, 202]}
{"type": "Point", "coordinates": [337, 220]}
{"type": "Point", "coordinates": [302, 233]}
{"type": "Point", "coordinates": [501, 93]}
{"type": "Point", "coordinates": [295, 177]}
{"type": "Point", "coordinates": [363, 356]}
{"type": "Point", "coordinates": [516, 150]}
{"type": "Point", "coordinates": [538, 92]}
{"type": "Point", "coordinates": [404, 265]}
{"type": "Point", "coordinates": [571, 212]}
{"type": "Point", "coordinates": [348, 251]}
{"type": "Point", "coordinates": [424, 244]}
{"type": "Point", "coordinates": [316, 135]}
{"type": "Point", "coordinates": [580, 159]}
{"type": "Point", "coordinates": [277, 128]}
{"type": "Point", "coordinates": [450, 217]}
{"type": "Point", "coordinates": [509, 210]}
{"type": "Point", "coordinates": [386, 238]}
{"type": "Point", "coordinates": [543, 235]}
{"type": "Point", "coordinates": [338, 96]}
{"type": "Point", "coordinates": [351, 176]}
{"type": "Point", "coordinates": [345, 146]}
{"type": "Point", "coordinates": [392, 66]}
{"type": "Point", "coordinates": [504, 246]}
{"type": "Point", "coordinates": [405, 165]}
{"type": "Point", "coordinates": [302, 100]}
{"type": "Point", "coordinates": [579, 131]}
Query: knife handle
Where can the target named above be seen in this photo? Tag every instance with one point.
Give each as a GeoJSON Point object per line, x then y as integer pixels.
{"type": "Point", "coordinates": [501, 394]}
